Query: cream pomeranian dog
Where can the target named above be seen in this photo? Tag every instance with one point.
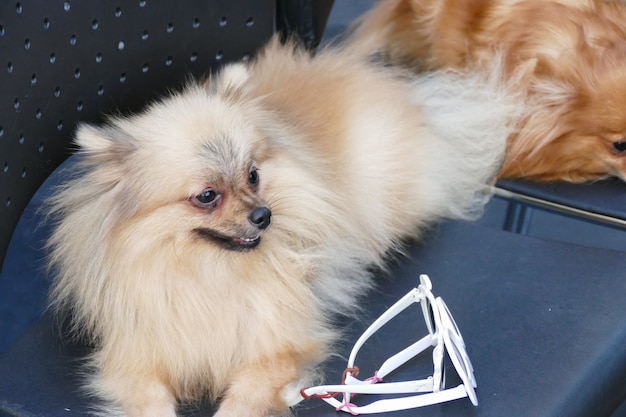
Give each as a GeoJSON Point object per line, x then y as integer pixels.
{"type": "Point", "coordinates": [204, 245]}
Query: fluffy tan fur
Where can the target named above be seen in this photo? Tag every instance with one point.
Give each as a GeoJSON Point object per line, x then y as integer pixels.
{"type": "Point", "coordinates": [351, 159]}
{"type": "Point", "coordinates": [568, 57]}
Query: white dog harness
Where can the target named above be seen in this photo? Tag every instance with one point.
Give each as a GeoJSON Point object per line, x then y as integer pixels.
{"type": "Point", "coordinates": [443, 336]}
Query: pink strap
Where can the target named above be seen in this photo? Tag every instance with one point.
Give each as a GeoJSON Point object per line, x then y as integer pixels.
{"type": "Point", "coordinates": [374, 379]}
{"type": "Point", "coordinates": [348, 407]}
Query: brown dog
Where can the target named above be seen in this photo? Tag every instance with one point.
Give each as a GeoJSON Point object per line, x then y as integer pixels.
{"type": "Point", "coordinates": [569, 58]}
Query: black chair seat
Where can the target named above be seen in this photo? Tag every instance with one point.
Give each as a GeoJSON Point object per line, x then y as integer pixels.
{"type": "Point", "coordinates": [543, 323]}
{"type": "Point", "coordinates": [602, 201]}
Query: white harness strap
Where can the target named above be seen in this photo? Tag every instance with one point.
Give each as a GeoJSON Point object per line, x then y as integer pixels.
{"type": "Point", "coordinates": [443, 335]}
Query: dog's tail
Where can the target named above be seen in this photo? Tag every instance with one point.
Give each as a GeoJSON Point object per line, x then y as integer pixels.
{"type": "Point", "coordinates": [472, 113]}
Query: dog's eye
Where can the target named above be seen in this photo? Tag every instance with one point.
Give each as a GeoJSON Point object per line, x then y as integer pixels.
{"type": "Point", "coordinates": [620, 145]}
{"type": "Point", "coordinates": [253, 177]}
{"type": "Point", "coordinates": [206, 198]}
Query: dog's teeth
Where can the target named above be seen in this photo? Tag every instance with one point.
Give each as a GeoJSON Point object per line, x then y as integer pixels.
{"type": "Point", "coordinates": [247, 239]}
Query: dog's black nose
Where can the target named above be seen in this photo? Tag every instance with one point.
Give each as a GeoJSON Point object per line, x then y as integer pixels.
{"type": "Point", "coordinates": [260, 217]}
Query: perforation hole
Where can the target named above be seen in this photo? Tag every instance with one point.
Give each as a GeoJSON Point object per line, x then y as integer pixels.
{"type": "Point", "coordinates": [250, 22]}
{"type": "Point", "coordinates": [16, 104]}
{"type": "Point", "coordinates": [73, 40]}
{"type": "Point", "coordinates": [57, 92]}
{"type": "Point", "coordinates": [8, 202]}
{"type": "Point", "coordinates": [38, 114]}
{"type": "Point", "coordinates": [79, 106]}
{"type": "Point", "coordinates": [219, 55]}
{"type": "Point", "coordinates": [145, 35]}
{"type": "Point", "coordinates": [33, 79]}
{"type": "Point", "coordinates": [142, 3]}
{"type": "Point", "coordinates": [77, 73]}
{"type": "Point", "coordinates": [95, 24]}
{"type": "Point", "coordinates": [10, 67]}
{"type": "Point", "coordinates": [223, 21]}
{"type": "Point", "coordinates": [145, 68]}
{"type": "Point", "coordinates": [193, 57]}
{"type": "Point", "coordinates": [1, 30]}
{"type": "Point", "coordinates": [1, 131]}
{"type": "Point", "coordinates": [100, 90]}
{"type": "Point", "coordinates": [98, 57]}
{"type": "Point", "coordinates": [123, 77]}
{"type": "Point", "coordinates": [21, 139]}
{"type": "Point", "coordinates": [41, 147]}
{"type": "Point", "coordinates": [196, 23]}
{"type": "Point", "coordinates": [23, 173]}
{"type": "Point", "coordinates": [170, 27]}
{"type": "Point", "coordinates": [5, 168]}
{"type": "Point", "coordinates": [27, 44]}
{"type": "Point", "coordinates": [18, 8]}
{"type": "Point", "coordinates": [169, 61]}
{"type": "Point", "coordinates": [60, 125]}
{"type": "Point", "coordinates": [53, 58]}
{"type": "Point", "coordinates": [46, 23]}
{"type": "Point", "coordinates": [118, 11]}
{"type": "Point", "coordinates": [121, 45]}
{"type": "Point", "coordinates": [67, 6]}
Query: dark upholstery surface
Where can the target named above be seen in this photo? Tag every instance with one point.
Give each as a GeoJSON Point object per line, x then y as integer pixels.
{"type": "Point", "coordinates": [543, 322]}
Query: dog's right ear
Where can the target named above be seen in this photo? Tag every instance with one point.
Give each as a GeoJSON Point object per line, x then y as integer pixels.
{"type": "Point", "coordinates": [108, 146]}
{"type": "Point", "coordinates": [107, 141]}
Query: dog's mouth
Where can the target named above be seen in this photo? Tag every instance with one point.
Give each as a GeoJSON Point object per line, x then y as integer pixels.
{"type": "Point", "coordinates": [236, 243]}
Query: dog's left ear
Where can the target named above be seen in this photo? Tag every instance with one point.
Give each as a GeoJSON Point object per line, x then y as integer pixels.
{"type": "Point", "coordinates": [234, 76]}
{"type": "Point", "coordinates": [231, 79]}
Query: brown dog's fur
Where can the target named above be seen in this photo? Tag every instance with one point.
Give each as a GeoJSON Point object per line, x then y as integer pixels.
{"type": "Point", "coordinates": [567, 56]}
